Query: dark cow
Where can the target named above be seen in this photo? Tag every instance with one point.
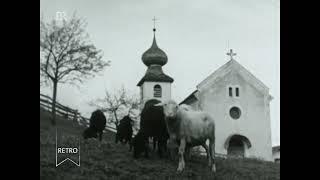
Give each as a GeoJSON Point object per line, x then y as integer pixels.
{"type": "Point", "coordinates": [152, 124]}
{"type": "Point", "coordinates": [97, 125]}
{"type": "Point", "coordinates": [89, 133]}
{"type": "Point", "coordinates": [124, 131]}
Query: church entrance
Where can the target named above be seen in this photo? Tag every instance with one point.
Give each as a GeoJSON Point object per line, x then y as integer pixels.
{"type": "Point", "coordinates": [236, 147]}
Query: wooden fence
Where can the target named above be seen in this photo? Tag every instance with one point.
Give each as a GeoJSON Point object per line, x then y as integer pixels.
{"type": "Point", "coordinates": [66, 112]}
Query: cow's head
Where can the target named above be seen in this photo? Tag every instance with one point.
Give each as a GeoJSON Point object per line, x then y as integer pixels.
{"type": "Point", "coordinates": [170, 108]}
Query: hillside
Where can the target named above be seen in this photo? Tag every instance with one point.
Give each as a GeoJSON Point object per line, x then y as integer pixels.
{"type": "Point", "coordinates": [108, 160]}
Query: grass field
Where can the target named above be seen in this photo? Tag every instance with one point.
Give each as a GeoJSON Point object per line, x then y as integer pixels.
{"type": "Point", "coordinates": [107, 160]}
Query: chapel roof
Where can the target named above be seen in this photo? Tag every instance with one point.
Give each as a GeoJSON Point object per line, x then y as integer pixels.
{"type": "Point", "coordinates": [191, 96]}
{"type": "Point", "coordinates": [233, 65]}
{"type": "Point", "coordinates": [222, 71]}
{"type": "Point", "coordinates": [155, 74]}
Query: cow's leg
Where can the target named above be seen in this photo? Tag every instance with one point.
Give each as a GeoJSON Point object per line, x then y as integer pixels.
{"type": "Point", "coordinates": [204, 145]}
{"type": "Point", "coordinates": [165, 148]}
{"type": "Point", "coordinates": [155, 143]}
{"type": "Point", "coordinates": [187, 153]}
{"type": "Point", "coordinates": [181, 154]}
{"type": "Point", "coordinates": [172, 153]}
{"type": "Point", "coordinates": [130, 144]}
{"type": "Point", "coordinates": [100, 135]}
{"type": "Point", "coordinates": [170, 148]}
{"type": "Point", "coordinates": [146, 148]}
{"type": "Point", "coordinates": [161, 147]}
{"type": "Point", "coordinates": [173, 148]}
{"type": "Point", "coordinates": [212, 154]}
{"type": "Point", "coordinates": [116, 138]}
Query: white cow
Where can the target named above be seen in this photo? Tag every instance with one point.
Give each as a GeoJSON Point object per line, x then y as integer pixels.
{"type": "Point", "coordinates": [190, 127]}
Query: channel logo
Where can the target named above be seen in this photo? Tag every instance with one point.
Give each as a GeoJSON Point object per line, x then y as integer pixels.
{"type": "Point", "coordinates": [67, 152]}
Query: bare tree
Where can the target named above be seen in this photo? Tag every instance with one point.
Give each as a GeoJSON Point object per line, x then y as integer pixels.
{"type": "Point", "coordinates": [66, 55]}
{"type": "Point", "coordinates": [116, 104]}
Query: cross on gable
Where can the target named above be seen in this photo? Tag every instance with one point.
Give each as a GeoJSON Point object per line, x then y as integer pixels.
{"type": "Point", "coordinates": [231, 54]}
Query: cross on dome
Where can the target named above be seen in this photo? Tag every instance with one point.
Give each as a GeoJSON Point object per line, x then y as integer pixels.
{"type": "Point", "coordinates": [154, 23]}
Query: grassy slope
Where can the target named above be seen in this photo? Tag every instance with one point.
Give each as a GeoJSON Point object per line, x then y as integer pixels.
{"type": "Point", "coordinates": [108, 160]}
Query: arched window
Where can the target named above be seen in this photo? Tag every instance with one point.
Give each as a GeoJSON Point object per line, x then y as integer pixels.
{"type": "Point", "coordinates": [237, 92]}
{"type": "Point", "coordinates": [157, 92]}
{"type": "Point", "coordinates": [230, 91]}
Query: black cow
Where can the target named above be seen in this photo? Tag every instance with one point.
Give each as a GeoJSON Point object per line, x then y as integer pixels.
{"type": "Point", "coordinates": [124, 131]}
{"type": "Point", "coordinates": [152, 124]}
{"type": "Point", "coordinates": [89, 133]}
{"type": "Point", "coordinates": [97, 125]}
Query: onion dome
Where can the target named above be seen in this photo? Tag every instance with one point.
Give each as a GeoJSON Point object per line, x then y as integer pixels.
{"type": "Point", "coordinates": [154, 55]}
{"type": "Point", "coordinates": [154, 58]}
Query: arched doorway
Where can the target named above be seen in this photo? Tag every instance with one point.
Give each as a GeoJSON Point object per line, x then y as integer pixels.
{"type": "Point", "coordinates": [236, 145]}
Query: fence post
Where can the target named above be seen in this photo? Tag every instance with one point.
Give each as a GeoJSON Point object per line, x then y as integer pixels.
{"type": "Point", "coordinates": [48, 107]}
{"type": "Point", "coordinates": [75, 117]}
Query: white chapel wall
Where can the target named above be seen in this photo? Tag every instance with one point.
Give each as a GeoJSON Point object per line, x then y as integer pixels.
{"type": "Point", "coordinates": [147, 88]}
{"type": "Point", "coordinates": [254, 122]}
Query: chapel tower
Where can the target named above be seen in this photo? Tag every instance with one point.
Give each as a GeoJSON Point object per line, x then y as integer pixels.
{"type": "Point", "coordinates": [155, 84]}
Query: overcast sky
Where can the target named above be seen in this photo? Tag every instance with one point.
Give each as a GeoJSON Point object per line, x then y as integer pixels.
{"type": "Point", "coordinates": [194, 35]}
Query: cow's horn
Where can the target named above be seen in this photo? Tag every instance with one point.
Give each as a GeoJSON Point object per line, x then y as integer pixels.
{"type": "Point", "coordinates": [159, 104]}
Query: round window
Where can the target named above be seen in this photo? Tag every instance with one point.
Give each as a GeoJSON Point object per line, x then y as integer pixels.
{"type": "Point", "coordinates": [235, 112]}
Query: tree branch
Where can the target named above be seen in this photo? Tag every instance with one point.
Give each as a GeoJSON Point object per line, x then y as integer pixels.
{"type": "Point", "coordinates": [68, 57]}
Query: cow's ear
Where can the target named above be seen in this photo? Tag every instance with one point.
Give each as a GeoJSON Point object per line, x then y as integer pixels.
{"type": "Point", "coordinates": [159, 104]}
